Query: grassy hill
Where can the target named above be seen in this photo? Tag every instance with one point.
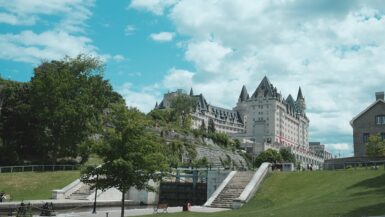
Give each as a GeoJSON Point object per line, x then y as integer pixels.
{"type": "Point", "coordinates": [35, 185]}
{"type": "Point", "coordinates": [311, 194]}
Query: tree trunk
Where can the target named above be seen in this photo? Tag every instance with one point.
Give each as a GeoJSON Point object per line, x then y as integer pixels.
{"type": "Point", "coordinates": [122, 211]}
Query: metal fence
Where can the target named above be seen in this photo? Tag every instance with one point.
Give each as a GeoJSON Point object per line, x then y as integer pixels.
{"type": "Point", "coordinates": [37, 168]}
{"type": "Point", "coordinates": [354, 165]}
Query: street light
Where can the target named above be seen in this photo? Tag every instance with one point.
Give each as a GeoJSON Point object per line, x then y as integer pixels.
{"type": "Point", "coordinates": [96, 191]}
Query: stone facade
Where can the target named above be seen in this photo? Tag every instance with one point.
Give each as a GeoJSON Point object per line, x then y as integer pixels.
{"type": "Point", "coordinates": [320, 150]}
{"type": "Point", "coordinates": [225, 120]}
{"type": "Point", "coordinates": [273, 122]}
{"type": "Point", "coordinates": [268, 117]}
{"type": "Point", "coordinates": [264, 120]}
{"type": "Point", "coordinates": [369, 122]}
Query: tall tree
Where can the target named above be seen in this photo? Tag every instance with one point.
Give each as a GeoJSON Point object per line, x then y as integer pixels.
{"type": "Point", "coordinates": [375, 147]}
{"type": "Point", "coordinates": [182, 106]}
{"type": "Point", "coordinates": [269, 155]}
{"type": "Point", "coordinates": [68, 98]}
{"type": "Point", "coordinates": [131, 155]}
{"type": "Point", "coordinates": [203, 126]}
{"type": "Point", "coordinates": [287, 156]}
{"type": "Point", "coordinates": [16, 120]}
{"type": "Point", "coordinates": [211, 126]}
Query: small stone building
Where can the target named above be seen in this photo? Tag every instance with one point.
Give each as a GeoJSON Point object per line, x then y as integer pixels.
{"type": "Point", "coordinates": [370, 121]}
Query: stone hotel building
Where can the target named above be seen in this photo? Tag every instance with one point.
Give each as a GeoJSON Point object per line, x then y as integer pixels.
{"type": "Point", "coordinates": [261, 121]}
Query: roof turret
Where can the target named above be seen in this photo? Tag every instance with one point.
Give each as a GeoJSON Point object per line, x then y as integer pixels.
{"type": "Point", "coordinates": [244, 95]}
{"type": "Point", "coordinates": [299, 95]}
{"type": "Point", "coordinates": [264, 89]}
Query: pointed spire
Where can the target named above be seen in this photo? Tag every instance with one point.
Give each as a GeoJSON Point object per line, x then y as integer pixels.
{"type": "Point", "coordinates": [299, 96]}
{"type": "Point", "coordinates": [156, 104]}
{"type": "Point", "coordinates": [191, 92]}
{"type": "Point", "coordinates": [264, 89]}
{"type": "Point", "coordinates": [244, 95]}
{"type": "Point", "coordinates": [301, 105]}
{"type": "Point", "coordinates": [290, 101]}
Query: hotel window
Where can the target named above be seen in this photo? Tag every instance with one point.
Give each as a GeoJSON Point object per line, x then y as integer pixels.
{"type": "Point", "coordinates": [365, 137]}
{"type": "Point", "coordinates": [380, 119]}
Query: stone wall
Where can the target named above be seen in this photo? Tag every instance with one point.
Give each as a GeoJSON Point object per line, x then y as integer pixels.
{"type": "Point", "coordinates": [215, 154]}
{"type": "Point", "coordinates": [366, 123]}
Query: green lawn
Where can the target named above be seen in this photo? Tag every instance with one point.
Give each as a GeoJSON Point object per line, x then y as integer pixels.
{"type": "Point", "coordinates": [311, 194]}
{"type": "Point", "coordinates": [35, 185]}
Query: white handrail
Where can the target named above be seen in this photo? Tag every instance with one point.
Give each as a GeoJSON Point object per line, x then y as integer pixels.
{"type": "Point", "coordinates": [220, 188]}
{"type": "Point", "coordinates": [252, 187]}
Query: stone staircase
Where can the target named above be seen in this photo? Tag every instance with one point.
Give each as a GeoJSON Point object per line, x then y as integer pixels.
{"type": "Point", "coordinates": [82, 193]}
{"type": "Point", "coordinates": [233, 189]}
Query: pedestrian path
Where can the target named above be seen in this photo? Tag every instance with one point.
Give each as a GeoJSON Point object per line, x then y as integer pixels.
{"type": "Point", "coordinates": [137, 212]}
{"type": "Point", "coordinates": [81, 208]}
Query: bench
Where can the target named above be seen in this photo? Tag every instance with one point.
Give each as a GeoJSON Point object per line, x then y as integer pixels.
{"type": "Point", "coordinates": [6, 198]}
{"type": "Point", "coordinates": [161, 206]}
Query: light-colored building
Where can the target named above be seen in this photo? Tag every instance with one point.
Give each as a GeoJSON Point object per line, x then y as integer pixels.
{"type": "Point", "coordinates": [320, 150]}
{"type": "Point", "coordinates": [369, 122]}
{"type": "Point", "coordinates": [265, 120]}
{"type": "Point", "coordinates": [225, 120]}
{"type": "Point", "coordinates": [272, 121]}
{"type": "Point", "coordinates": [268, 117]}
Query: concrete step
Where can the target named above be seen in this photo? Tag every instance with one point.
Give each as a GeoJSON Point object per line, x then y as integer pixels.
{"type": "Point", "coordinates": [82, 193]}
{"type": "Point", "coordinates": [232, 190]}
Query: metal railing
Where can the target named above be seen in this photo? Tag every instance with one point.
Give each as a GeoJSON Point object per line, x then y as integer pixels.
{"type": "Point", "coordinates": [38, 168]}
{"type": "Point", "coordinates": [354, 165]}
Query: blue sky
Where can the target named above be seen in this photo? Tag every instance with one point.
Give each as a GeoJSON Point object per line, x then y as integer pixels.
{"type": "Point", "coordinates": [334, 50]}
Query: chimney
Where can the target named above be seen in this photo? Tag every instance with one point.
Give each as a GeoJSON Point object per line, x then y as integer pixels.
{"type": "Point", "coordinates": [379, 95]}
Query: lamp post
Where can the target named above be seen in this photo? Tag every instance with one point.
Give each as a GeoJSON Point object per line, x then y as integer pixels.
{"type": "Point", "coordinates": [96, 194]}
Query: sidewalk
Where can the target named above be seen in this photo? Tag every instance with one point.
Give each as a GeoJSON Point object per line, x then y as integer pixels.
{"type": "Point", "coordinates": [83, 208]}
{"type": "Point", "coordinates": [102, 212]}
{"type": "Point", "coordinates": [66, 204]}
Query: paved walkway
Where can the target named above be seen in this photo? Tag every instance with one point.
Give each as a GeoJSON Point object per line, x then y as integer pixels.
{"type": "Point", "coordinates": [136, 212]}
{"type": "Point", "coordinates": [79, 208]}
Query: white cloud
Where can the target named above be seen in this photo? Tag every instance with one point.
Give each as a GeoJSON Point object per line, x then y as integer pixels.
{"type": "Point", "coordinates": [177, 78]}
{"type": "Point", "coordinates": [129, 30]}
{"type": "Point", "coordinates": [64, 35]}
{"type": "Point", "coordinates": [162, 36]}
{"type": "Point", "coordinates": [333, 50]}
{"type": "Point", "coordinates": [207, 55]}
{"type": "Point", "coordinates": [340, 149]}
{"type": "Point", "coordinates": [340, 146]}
{"type": "Point", "coordinates": [31, 47]}
{"type": "Point", "coordinates": [143, 100]}
{"type": "Point", "coordinates": [73, 13]}
{"type": "Point", "coordinates": [155, 6]}
{"type": "Point", "coordinates": [15, 20]}
{"type": "Point", "coordinates": [118, 58]}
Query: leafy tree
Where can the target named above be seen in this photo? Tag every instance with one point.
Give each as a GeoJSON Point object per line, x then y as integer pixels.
{"type": "Point", "coordinates": [68, 98]}
{"type": "Point", "coordinates": [174, 153]}
{"type": "Point", "coordinates": [203, 162]}
{"type": "Point", "coordinates": [182, 105]}
{"type": "Point", "coordinates": [375, 147]}
{"type": "Point", "coordinates": [211, 126]}
{"type": "Point", "coordinates": [287, 156]}
{"type": "Point", "coordinates": [16, 121]}
{"type": "Point", "coordinates": [237, 143]}
{"type": "Point", "coordinates": [131, 155]}
{"type": "Point", "coordinates": [203, 126]}
{"type": "Point", "coordinates": [161, 116]}
{"type": "Point", "coordinates": [269, 155]}
{"type": "Point", "coordinates": [186, 121]}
